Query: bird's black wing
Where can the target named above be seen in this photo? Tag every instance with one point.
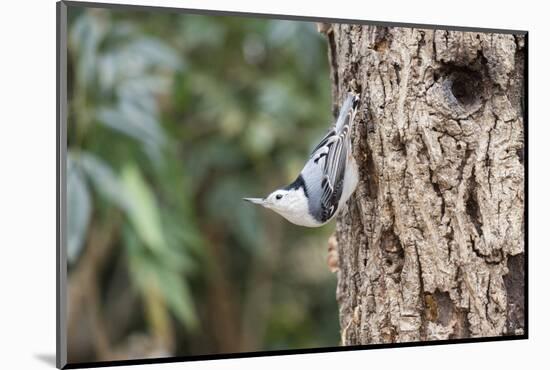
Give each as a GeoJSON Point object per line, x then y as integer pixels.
{"type": "Point", "coordinates": [328, 165]}
{"type": "Point", "coordinates": [333, 172]}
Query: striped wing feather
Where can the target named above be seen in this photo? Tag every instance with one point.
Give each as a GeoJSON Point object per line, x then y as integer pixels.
{"type": "Point", "coordinates": [331, 155]}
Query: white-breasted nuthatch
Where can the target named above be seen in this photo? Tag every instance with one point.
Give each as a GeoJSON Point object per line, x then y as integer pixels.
{"type": "Point", "coordinates": [327, 180]}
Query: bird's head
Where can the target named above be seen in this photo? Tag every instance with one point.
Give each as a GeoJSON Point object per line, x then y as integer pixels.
{"type": "Point", "coordinates": [279, 201]}
{"type": "Point", "coordinates": [292, 204]}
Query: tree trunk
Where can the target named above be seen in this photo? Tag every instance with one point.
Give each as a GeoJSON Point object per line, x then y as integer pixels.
{"type": "Point", "coordinates": [431, 245]}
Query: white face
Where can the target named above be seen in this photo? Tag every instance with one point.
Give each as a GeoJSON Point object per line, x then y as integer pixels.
{"type": "Point", "coordinates": [291, 204]}
{"type": "Point", "coordinates": [280, 200]}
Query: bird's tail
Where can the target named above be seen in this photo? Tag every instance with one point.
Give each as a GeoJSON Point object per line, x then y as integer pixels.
{"type": "Point", "coordinates": [347, 112]}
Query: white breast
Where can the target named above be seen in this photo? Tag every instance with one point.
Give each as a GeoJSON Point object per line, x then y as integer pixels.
{"type": "Point", "coordinates": [302, 219]}
{"type": "Point", "coordinates": [296, 209]}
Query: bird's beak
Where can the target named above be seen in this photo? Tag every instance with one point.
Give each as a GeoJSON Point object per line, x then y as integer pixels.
{"type": "Point", "coordinates": [259, 201]}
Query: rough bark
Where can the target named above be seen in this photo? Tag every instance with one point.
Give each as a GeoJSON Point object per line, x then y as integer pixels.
{"type": "Point", "coordinates": [431, 244]}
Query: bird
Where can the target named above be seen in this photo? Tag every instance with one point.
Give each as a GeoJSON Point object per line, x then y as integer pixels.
{"type": "Point", "coordinates": [327, 180]}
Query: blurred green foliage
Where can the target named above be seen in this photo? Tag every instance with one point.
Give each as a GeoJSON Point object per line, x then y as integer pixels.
{"type": "Point", "coordinates": [172, 120]}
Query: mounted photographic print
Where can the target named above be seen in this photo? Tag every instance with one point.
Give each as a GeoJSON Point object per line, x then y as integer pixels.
{"type": "Point", "coordinates": [236, 185]}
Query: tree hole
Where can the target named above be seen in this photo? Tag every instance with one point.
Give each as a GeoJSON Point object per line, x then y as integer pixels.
{"type": "Point", "coordinates": [466, 86]}
{"type": "Point", "coordinates": [459, 89]}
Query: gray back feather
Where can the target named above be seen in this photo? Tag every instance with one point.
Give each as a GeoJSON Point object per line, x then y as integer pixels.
{"type": "Point", "coordinates": [324, 173]}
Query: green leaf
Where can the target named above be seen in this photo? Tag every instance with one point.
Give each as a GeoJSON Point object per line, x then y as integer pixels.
{"type": "Point", "coordinates": [104, 179]}
{"type": "Point", "coordinates": [145, 268]}
{"type": "Point", "coordinates": [143, 90]}
{"type": "Point", "coordinates": [107, 72]}
{"type": "Point", "coordinates": [78, 209]}
{"type": "Point", "coordinates": [155, 53]}
{"type": "Point", "coordinates": [135, 122]}
{"type": "Point", "coordinates": [132, 121]}
{"type": "Point", "coordinates": [202, 32]}
{"type": "Point", "coordinates": [86, 35]}
{"type": "Point", "coordinates": [178, 297]}
{"type": "Point", "coordinates": [144, 213]}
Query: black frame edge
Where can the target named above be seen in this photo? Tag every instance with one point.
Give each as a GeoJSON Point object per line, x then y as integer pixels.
{"type": "Point", "coordinates": [61, 146]}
